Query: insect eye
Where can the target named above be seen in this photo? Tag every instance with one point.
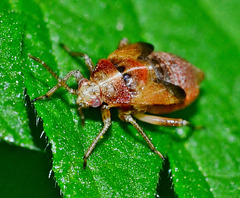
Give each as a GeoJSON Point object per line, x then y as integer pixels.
{"type": "Point", "coordinates": [96, 103]}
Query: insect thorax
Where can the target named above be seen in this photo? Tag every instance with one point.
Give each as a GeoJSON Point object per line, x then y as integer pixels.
{"type": "Point", "coordinates": [89, 94]}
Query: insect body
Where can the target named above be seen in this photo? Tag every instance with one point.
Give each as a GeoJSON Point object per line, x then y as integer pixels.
{"type": "Point", "coordinates": [137, 81]}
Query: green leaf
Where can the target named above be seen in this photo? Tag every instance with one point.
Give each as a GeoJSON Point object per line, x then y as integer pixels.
{"type": "Point", "coordinates": [204, 162]}
{"type": "Point", "coordinates": [14, 125]}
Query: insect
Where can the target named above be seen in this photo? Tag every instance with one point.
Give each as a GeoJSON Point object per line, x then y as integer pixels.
{"type": "Point", "coordinates": [137, 81]}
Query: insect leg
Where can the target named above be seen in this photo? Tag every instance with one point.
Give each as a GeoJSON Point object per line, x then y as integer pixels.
{"type": "Point", "coordinates": [124, 42]}
{"type": "Point", "coordinates": [129, 118]}
{"type": "Point", "coordinates": [106, 117]}
{"type": "Point", "coordinates": [87, 59]}
{"type": "Point", "coordinates": [157, 120]}
{"type": "Point", "coordinates": [62, 83]}
{"type": "Point", "coordinates": [80, 112]}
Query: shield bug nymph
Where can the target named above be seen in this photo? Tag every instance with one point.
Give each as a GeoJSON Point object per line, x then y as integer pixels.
{"type": "Point", "coordinates": [137, 81]}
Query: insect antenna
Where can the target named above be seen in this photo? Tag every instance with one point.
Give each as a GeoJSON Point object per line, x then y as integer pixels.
{"type": "Point", "coordinates": [45, 66]}
{"type": "Point", "coordinates": [61, 82]}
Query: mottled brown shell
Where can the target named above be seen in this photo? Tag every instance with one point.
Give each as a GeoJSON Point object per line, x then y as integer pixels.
{"type": "Point", "coordinates": [114, 91]}
{"type": "Point", "coordinates": [179, 72]}
{"type": "Point", "coordinates": [156, 82]}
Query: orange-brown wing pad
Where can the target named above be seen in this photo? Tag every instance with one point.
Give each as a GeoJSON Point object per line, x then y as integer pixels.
{"type": "Point", "coordinates": [134, 51]}
{"type": "Point", "coordinates": [159, 93]}
{"type": "Point", "coordinates": [179, 72]}
{"type": "Point", "coordinates": [113, 89]}
{"type": "Point", "coordinates": [164, 109]}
